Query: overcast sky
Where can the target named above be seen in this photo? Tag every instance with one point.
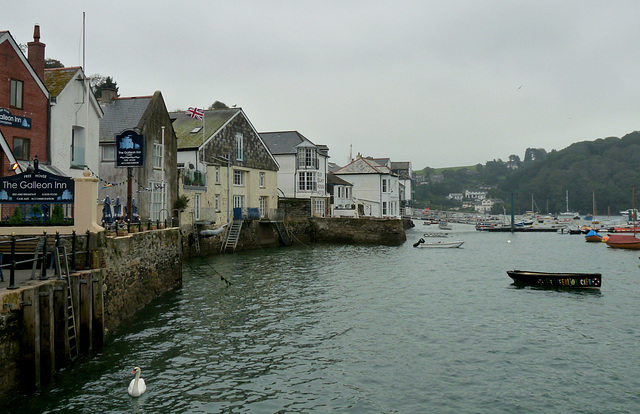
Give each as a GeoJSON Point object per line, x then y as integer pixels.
{"type": "Point", "coordinates": [437, 83]}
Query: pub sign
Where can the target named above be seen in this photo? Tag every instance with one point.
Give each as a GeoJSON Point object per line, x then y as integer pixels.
{"type": "Point", "coordinates": [129, 149]}
{"type": "Point", "coordinates": [36, 187]}
{"type": "Point", "coordinates": [15, 121]}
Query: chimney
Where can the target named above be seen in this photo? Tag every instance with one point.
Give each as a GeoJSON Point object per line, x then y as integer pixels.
{"type": "Point", "coordinates": [36, 52]}
{"type": "Point", "coordinates": [107, 94]}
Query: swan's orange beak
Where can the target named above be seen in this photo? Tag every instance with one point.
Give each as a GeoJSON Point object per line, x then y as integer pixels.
{"type": "Point", "coordinates": [133, 372]}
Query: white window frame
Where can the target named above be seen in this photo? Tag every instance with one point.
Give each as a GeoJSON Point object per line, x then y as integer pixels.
{"type": "Point", "coordinates": [319, 207]}
{"type": "Point", "coordinates": [307, 181]}
{"type": "Point", "coordinates": [384, 208]}
{"type": "Point", "coordinates": [155, 201]}
{"type": "Point", "coordinates": [261, 176]}
{"type": "Point", "coordinates": [238, 201]}
{"type": "Point", "coordinates": [157, 156]}
{"type": "Point", "coordinates": [217, 174]}
{"type": "Point", "coordinates": [307, 158]}
{"type": "Point", "coordinates": [263, 206]}
{"type": "Point", "coordinates": [238, 178]}
{"type": "Point", "coordinates": [239, 146]}
{"type": "Point", "coordinates": [385, 185]}
{"type": "Point", "coordinates": [216, 202]}
{"type": "Point", "coordinates": [196, 207]}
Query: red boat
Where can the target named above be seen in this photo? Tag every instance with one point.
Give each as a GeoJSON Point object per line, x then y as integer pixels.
{"type": "Point", "coordinates": [624, 241]}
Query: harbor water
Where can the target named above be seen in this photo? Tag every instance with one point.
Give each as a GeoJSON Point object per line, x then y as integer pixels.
{"type": "Point", "coordinates": [375, 329]}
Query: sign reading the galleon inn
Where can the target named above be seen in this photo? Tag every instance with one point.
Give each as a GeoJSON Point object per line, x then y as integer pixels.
{"type": "Point", "coordinates": [36, 187]}
{"type": "Point", "coordinates": [16, 121]}
{"type": "Point", "coordinates": [129, 149]}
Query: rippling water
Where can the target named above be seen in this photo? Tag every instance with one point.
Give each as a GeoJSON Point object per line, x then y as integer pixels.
{"type": "Point", "coordinates": [331, 328]}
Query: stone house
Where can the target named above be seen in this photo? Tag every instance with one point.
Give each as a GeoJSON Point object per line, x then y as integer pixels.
{"type": "Point", "coordinates": [375, 187]}
{"type": "Point", "coordinates": [155, 185]}
{"type": "Point", "coordinates": [24, 102]}
{"type": "Point", "coordinates": [226, 169]}
{"type": "Point", "coordinates": [303, 168]}
{"type": "Point", "coordinates": [75, 121]}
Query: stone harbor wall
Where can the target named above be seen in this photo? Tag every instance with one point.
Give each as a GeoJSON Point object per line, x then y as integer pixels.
{"type": "Point", "coordinates": [138, 268]}
{"type": "Point", "coordinates": [358, 230]}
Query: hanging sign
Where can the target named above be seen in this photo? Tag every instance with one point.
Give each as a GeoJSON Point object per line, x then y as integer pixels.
{"type": "Point", "coordinates": [36, 187]}
{"type": "Point", "coordinates": [15, 121]}
{"type": "Point", "coordinates": [129, 149]}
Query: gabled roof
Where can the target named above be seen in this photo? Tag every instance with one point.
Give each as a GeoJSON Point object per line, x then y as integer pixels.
{"type": "Point", "coordinates": [363, 166]}
{"type": "Point", "coordinates": [57, 79]}
{"type": "Point", "coordinates": [5, 36]}
{"type": "Point", "coordinates": [121, 114]}
{"type": "Point", "coordinates": [213, 119]}
{"type": "Point", "coordinates": [381, 161]}
{"type": "Point", "coordinates": [288, 142]}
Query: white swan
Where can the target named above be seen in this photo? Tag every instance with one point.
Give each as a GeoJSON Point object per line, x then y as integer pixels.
{"type": "Point", "coordinates": [137, 387]}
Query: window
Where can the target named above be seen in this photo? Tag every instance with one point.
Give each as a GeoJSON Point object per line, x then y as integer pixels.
{"type": "Point", "coordinates": [77, 147]}
{"type": "Point", "coordinates": [261, 180]}
{"type": "Point", "coordinates": [384, 208]}
{"type": "Point", "coordinates": [385, 185]}
{"type": "Point", "coordinates": [17, 87]}
{"type": "Point", "coordinates": [217, 175]}
{"type": "Point", "coordinates": [307, 158]}
{"type": "Point", "coordinates": [238, 201]}
{"type": "Point", "coordinates": [156, 200]}
{"type": "Point", "coordinates": [157, 156]}
{"type": "Point", "coordinates": [307, 181]}
{"type": "Point", "coordinates": [318, 207]}
{"type": "Point", "coordinates": [239, 146]}
{"type": "Point", "coordinates": [21, 148]}
{"type": "Point", "coordinates": [263, 206]}
{"type": "Point", "coordinates": [196, 207]}
{"type": "Point", "coordinates": [238, 177]}
{"type": "Point", "coordinates": [108, 152]}
{"type": "Point", "coordinates": [216, 202]}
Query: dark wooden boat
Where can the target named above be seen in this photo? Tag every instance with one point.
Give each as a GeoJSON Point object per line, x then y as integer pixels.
{"type": "Point", "coordinates": [556, 280]}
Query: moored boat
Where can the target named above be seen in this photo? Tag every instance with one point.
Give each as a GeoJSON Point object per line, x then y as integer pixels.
{"type": "Point", "coordinates": [593, 236]}
{"type": "Point", "coordinates": [440, 244]}
{"type": "Point", "coordinates": [556, 280]}
{"type": "Point", "coordinates": [624, 241]}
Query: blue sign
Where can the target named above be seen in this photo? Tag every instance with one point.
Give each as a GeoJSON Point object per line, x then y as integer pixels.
{"type": "Point", "coordinates": [129, 149]}
{"type": "Point", "coordinates": [15, 121]}
{"type": "Point", "coordinates": [36, 187]}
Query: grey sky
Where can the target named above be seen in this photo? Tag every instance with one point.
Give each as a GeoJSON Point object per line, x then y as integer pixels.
{"type": "Point", "coordinates": [437, 83]}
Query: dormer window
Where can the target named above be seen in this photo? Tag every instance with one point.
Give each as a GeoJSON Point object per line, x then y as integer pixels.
{"type": "Point", "coordinates": [307, 158]}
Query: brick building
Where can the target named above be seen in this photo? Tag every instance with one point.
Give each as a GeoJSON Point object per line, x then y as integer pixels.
{"type": "Point", "coordinates": [24, 102]}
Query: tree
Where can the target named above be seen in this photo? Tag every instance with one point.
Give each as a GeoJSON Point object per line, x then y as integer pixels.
{"type": "Point", "coordinates": [99, 82]}
{"type": "Point", "coordinates": [218, 105]}
{"type": "Point", "coordinates": [52, 64]}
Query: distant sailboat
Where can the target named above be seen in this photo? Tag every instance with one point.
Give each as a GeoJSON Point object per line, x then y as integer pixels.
{"type": "Point", "coordinates": [568, 213]}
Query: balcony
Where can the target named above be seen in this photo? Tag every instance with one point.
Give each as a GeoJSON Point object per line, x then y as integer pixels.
{"type": "Point", "coordinates": [195, 180]}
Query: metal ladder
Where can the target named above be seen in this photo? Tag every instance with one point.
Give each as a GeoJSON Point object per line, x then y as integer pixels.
{"type": "Point", "coordinates": [285, 237]}
{"type": "Point", "coordinates": [196, 236]}
{"type": "Point", "coordinates": [61, 251]}
{"type": "Point", "coordinates": [233, 235]}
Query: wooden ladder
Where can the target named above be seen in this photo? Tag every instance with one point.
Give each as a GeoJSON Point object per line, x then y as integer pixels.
{"type": "Point", "coordinates": [233, 235]}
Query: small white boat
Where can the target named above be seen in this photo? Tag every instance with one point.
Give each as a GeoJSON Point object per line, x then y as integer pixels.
{"type": "Point", "coordinates": [443, 225]}
{"type": "Point", "coordinates": [440, 244]}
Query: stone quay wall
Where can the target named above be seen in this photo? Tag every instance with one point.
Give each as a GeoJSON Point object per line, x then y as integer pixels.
{"type": "Point", "coordinates": [138, 267]}
{"type": "Point", "coordinates": [358, 230]}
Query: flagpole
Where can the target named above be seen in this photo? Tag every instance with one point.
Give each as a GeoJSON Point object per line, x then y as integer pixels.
{"type": "Point", "coordinates": [204, 126]}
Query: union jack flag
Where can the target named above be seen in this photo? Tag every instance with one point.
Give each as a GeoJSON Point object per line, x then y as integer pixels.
{"type": "Point", "coordinates": [195, 113]}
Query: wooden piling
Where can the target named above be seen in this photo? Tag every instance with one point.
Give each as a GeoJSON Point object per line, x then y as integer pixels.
{"type": "Point", "coordinates": [31, 340]}
{"type": "Point", "coordinates": [98, 309]}
{"type": "Point", "coordinates": [61, 327]}
{"type": "Point", "coordinates": [47, 350]}
{"type": "Point", "coordinates": [86, 300]}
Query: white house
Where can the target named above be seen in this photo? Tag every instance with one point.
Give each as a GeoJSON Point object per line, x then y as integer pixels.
{"type": "Point", "coordinates": [475, 195]}
{"type": "Point", "coordinates": [75, 121]}
{"type": "Point", "coordinates": [375, 187]}
{"type": "Point", "coordinates": [303, 168]}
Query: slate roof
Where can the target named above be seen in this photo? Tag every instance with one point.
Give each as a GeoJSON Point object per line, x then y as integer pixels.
{"type": "Point", "coordinates": [363, 166]}
{"type": "Point", "coordinates": [121, 114]}
{"type": "Point", "coordinates": [335, 180]}
{"type": "Point", "coordinates": [286, 142]}
{"type": "Point", "coordinates": [214, 119]}
{"type": "Point", "coordinates": [56, 79]}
